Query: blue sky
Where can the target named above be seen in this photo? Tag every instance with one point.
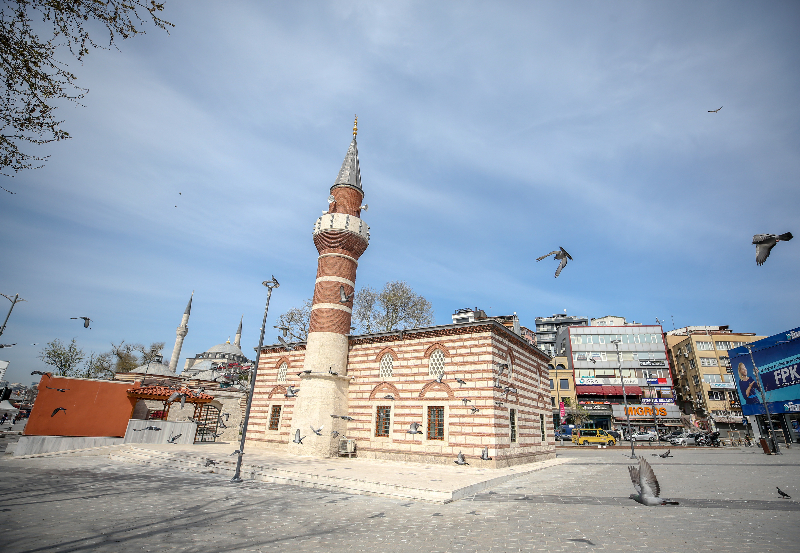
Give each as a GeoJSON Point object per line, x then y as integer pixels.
{"type": "Point", "coordinates": [489, 134]}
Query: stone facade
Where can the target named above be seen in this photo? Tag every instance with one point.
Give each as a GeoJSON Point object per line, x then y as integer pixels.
{"type": "Point", "coordinates": [471, 352]}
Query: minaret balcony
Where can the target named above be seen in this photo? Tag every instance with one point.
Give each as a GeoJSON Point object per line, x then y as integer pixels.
{"type": "Point", "coordinates": [342, 222]}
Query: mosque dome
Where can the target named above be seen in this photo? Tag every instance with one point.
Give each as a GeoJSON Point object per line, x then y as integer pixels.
{"type": "Point", "coordinates": [227, 347]}
{"type": "Point", "coordinates": [155, 369]}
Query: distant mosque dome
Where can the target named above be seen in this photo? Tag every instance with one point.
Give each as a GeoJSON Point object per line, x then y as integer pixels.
{"type": "Point", "coordinates": [155, 367]}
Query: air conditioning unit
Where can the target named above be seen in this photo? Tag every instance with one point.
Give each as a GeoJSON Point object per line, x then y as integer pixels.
{"type": "Point", "coordinates": [347, 447]}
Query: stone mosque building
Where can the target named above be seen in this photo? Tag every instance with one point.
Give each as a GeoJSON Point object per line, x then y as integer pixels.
{"type": "Point", "coordinates": [468, 386]}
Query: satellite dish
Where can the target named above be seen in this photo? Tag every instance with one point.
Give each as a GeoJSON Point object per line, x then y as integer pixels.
{"type": "Point", "coordinates": [331, 199]}
{"type": "Point", "coordinates": [364, 207]}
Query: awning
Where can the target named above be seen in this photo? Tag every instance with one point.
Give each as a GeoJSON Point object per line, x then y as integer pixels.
{"type": "Point", "coordinates": [607, 390]}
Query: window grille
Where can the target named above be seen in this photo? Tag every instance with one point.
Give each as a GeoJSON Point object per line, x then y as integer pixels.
{"type": "Point", "coordinates": [435, 422]}
{"type": "Point", "coordinates": [382, 421]}
{"type": "Point", "coordinates": [541, 425]}
{"type": "Point", "coordinates": [282, 372]}
{"type": "Point", "coordinates": [275, 416]}
{"type": "Point", "coordinates": [436, 363]}
{"type": "Point", "coordinates": [386, 365]}
{"type": "Point", "coordinates": [512, 419]}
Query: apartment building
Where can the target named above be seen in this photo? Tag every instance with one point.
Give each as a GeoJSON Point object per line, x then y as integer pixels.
{"type": "Point", "coordinates": [547, 329]}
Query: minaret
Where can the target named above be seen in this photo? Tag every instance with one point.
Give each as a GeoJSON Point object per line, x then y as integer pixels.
{"type": "Point", "coordinates": [183, 330]}
{"type": "Point", "coordinates": [237, 340]}
{"type": "Point", "coordinates": [340, 237]}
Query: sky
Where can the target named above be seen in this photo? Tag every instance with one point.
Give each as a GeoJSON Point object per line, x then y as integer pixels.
{"type": "Point", "coordinates": [489, 134]}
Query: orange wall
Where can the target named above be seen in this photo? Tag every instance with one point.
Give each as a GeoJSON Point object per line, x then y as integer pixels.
{"type": "Point", "coordinates": [94, 408]}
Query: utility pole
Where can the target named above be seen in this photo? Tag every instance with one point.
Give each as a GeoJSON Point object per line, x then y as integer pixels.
{"type": "Point", "coordinates": [14, 302]}
{"type": "Point", "coordinates": [625, 399]}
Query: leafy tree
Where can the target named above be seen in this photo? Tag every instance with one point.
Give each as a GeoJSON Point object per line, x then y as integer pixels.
{"type": "Point", "coordinates": [34, 74]}
{"type": "Point", "coordinates": [397, 306]}
{"type": "Point", "coordinates": [296, 320]}
{"type": "Point", "coordinates": [63, 358]}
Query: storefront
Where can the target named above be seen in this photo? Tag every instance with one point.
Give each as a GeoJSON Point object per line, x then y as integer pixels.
{"type": "Point", "coordinates": [647, 417]}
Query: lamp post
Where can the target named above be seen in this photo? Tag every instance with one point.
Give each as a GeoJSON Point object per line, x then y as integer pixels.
{"type": "Point", "coordinates": [647, 376]}
{"type": "Point", "coordinates": [14, 302]}
{"type": "Point", "coordinates": [270, 284]}
{"type": "Point", "coordinates": [625, 399]}
{"type": "Point", "coordinates": [764, 400]}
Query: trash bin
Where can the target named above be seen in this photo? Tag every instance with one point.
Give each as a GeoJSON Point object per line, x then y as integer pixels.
{"type": "Point", "coordinates": [765, 446]}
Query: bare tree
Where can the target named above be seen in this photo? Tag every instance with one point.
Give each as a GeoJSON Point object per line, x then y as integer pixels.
{"type": "Point", "coordinates": [150, 353]}
{"type": "Point", "coordinates": [395, 307]}
{"type": "Point", "coordinates": [34, 74]}
{"type": "Point", "coordinates": [99, 366]}
{"type": "Point", "coordinates": [64, 358]}
{"type": "Point", "coordinates": [296, 321]}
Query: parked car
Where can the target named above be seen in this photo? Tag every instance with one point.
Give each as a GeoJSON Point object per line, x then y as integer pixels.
{"type": "Point", "coordinates": [685, 439]}
{"type": "Point", "coordinates": [617, 436]}
{"type": "Point", "coordinates": [648, 436]}
{"type": "Point", "coordinates": [586, 436]}
{"type": "Point", "coordinates": [563, 436]}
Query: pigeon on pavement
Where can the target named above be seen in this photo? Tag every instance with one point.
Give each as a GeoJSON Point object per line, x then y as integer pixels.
{"type": "Point", "coordinates": [173, 439]}
{"type": "Point", "coordinates": [485, 454]}
{"type": "Point", "coordinates": [765, 242]}
{"type": "Point", "coordinates": [560, 254]}
{"type": "Point", "coordinates": [782, 493]}
{"type": "Point", "coordinates": [646, 484]}
{"type": "Point", "coordinates": [460, 459]}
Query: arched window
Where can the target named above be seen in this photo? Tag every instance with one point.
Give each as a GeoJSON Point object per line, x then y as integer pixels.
{"type": "Point", "coordinates": [436, 363]}
{"type": "Point", "coordinates": [282, 372]}
{"type": "Point", "coordinates": [386, 365]}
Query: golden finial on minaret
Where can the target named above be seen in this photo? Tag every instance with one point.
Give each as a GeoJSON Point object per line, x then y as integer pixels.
{"type": "Point", "coordinates": [355, 127]}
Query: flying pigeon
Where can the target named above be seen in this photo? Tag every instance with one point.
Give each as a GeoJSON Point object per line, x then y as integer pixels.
{"type": "Point", "coordinates": [57, 389]}
{"type": "Point", "coordinates": [498, 403]}
{"type": "Point", "coordinates": [86, 321]}
{"type": "Point", "coordinates": [49, 375]}
{"type": "Point", "coordinates": [237, 452]}
{"type": "Point", "coordinates": [413, 428]}
{"type": "Point", "coordinates": [561, 254]}
{"type": "Point", "coordinates": [175, 396]}
{"type": "Point", "coordinates": [715, 110]}
{"type": "Point", "coordinates": [317, 431]}
{"type": "Point", "coordinates": [440, 377]}
{"type": "Point", "coordinates": [646, 484]}
{"type": "Point", "coordinates": [460, 382]}
{"type": "Point", "coordinates": [297, 438]}
{"type": "Point", "coordinates": [474, 410]}
{"type": "Point", "coordinates": [765, 242]}
{"type": "Point", "coordinates": [291, 392]}
{"type": "Point", "coordinates": [334, 433]}
{"type": "Point", "coordinates": [465, 400]}
{"type": "Point", "coordinates": [343, 296]}
{"type": "Point", "coordinates": [389, 396]}
{"type": "Point", "coordinates": [173, 439]}
{"type": "Point", "coordinates": [284, 344]}
{"type": "Point", "coordinates": [460, 459]}
{"type": "Point", "coordinates": [7, 345]}
{"type": "Point", "coordinates": [345, 417]}
{"type": "Point", "coordinates": [147, 428]}
{"type": "Point", "coordinates": [782, 493]}
{"type": "Point", "coordinates": [503, 366]}
{"type": "Point", "coordinates": [57, 409]}
{"type": "Point", "coordinates": [304, 372]}
{"type": "Point", "coordinates": [485, 454]}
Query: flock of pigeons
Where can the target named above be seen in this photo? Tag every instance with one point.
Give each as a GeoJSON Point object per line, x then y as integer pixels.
{"type": "Point", "coordinates": [763, 242]}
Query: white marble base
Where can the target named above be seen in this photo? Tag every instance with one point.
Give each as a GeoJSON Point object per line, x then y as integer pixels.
{"type": "Point", "coordinates": [32, 445]}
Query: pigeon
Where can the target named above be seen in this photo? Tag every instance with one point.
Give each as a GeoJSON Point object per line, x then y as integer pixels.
{"type": "Point", "coordinates": [334, 433]}
{"type": "Point", "coordinates": [237, 452]}
{"type": "Point", "coordinates": [474, 410]}
{"type": "Point", "coordinates": [503, 366]}
{"type": "Point", "coordinates": [715, 110]}
{"type": "Point", "coordinates": [345, 417]}
{"type": "Point", "coordinates": [782, 493]}
{"type": "Point", "coordinates": [334, 416]}
{"type": "Point", "coordinates": [485, 454]}
{"type": "Point", "coordinates": [498, 403]}
{"type": "Point", "coordinates": [460, 459]}
{"type": "Point", "coordinates": [175, 396]}
{"type": "Point", "coordinates": [284, 344]}
{"type": "Point", "coordinates": [210, 462]}
{"type": "Point", "coordinates": [297, 438]}
{"type": "Point", "coordinates": [646, 484]}
{"type": "Point", "coordinates": [460, 382]}
{"type": "Point", "coordinates": [49, 375]}
{"type": "Point", "coordinates": [304, 372]}
{"type": "Point", "coordinates": [465, 400]}
{"type": "Point", "coordinates": [440, 377]}
{"type": "Point", "coordinates": [413, 428]}
{"type": "Point", "coordinates": [7, 345]}
{"type": "Point", "coordinates": [57, 389]}
{"type": "Point", "coordinates": [291, 392]}
{"type": "Point", "coordinates": [666, 454]}
{"type": "Point", "coordinates": [561, 254]}
{"type": "Point", "coordinates": [343, 296]}
{"type": "Point", "coordinates": [331, 371]}
{"type": "Point", "coordinates": [389, 396]}
{"type": "Point", "coordinates": [86, 321]}
{"type": "Point", "coordinates": [285, 329]}
{"type": "Point", "coordinates": [57, 409]}
{"type": "Point", "coordinates": [765, 242]}
{"type": "Point", "coordinates": [317, 431]}
{"type": "Point", "coordinates": [147, 428]}
{"type": "Point", "coordinates": [174, 439]}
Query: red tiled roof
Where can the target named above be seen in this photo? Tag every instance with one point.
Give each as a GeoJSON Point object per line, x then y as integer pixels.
{"type": "Point", "coordinates": [164, 392]}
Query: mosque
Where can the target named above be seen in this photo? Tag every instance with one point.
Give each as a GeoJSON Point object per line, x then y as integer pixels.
{"type": "Point", "coordinates": [423, 394]}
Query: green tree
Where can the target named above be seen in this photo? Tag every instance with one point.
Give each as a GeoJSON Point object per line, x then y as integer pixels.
{"type": "Point", "coordinates": [35, 75]}
{"type": "Point", "coordinates": [63, 358]}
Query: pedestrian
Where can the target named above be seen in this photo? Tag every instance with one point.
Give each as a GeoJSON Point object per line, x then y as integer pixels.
{"type": "Point", "coordinates": [3, 419]}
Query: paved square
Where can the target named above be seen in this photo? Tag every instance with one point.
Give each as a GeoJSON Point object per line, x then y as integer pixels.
{"type": "Point", "coordinates": [728, 503]}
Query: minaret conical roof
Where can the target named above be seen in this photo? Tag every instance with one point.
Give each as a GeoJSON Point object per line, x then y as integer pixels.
{"type": "Point", "coordinates": [350, 173]}
{"type": "Point", "coordinates": [189, 305]}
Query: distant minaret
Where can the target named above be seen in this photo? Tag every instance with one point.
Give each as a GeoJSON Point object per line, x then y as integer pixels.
{"type": "Point", "coordinates": [340, 237]}
{"type": "Point", "coordinates": [181, 333]}
{"type": "Point", "coordinates": [237, 340]}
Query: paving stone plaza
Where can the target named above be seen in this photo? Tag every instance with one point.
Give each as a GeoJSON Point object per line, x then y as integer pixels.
{"type": "Point", "coordinates": [728, 502]}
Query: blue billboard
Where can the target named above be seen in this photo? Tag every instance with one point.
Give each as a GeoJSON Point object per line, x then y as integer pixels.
{"type": "Point", "coordinates": [778, 361]}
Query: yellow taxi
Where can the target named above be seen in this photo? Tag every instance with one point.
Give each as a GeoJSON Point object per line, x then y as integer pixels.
{"type": "Point", "coordinates": [585, 436]}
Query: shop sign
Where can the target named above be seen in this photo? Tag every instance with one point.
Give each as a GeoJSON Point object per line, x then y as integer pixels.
{"type": "Point", "coordinates": [580, 357]}
{"type": "Point", "coordinates": [606, 381]}
{"type": "Point", "coordinates": [646, 411]}
{"type": "Point", "coordinates": [660, 400]}
{"type": "Point", "coordinates": [722, 386]}
{"type": "Point", "coordinates": [652, 382]}
{"type": "Point", "coordinates": [652, 363]}
{"type": "Point", "coordinates": [597, 408]}
{"type": "Point", "coordinates": [562, 410]}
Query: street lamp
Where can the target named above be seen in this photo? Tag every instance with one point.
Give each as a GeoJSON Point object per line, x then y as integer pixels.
{"type": "Point", "coordinates": [270, 284]}
{"type": "Point", "coordinates": [647, 376]}
{"type": "Point", "coordinates": [764, 400]}
{"type": "Point", "coordinates": [625, 398]}
{"type": "Point", "coordinates": [14, 302]}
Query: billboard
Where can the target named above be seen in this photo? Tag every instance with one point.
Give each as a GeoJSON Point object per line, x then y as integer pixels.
{"type": "Point", "coordinates": [778, 360]}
